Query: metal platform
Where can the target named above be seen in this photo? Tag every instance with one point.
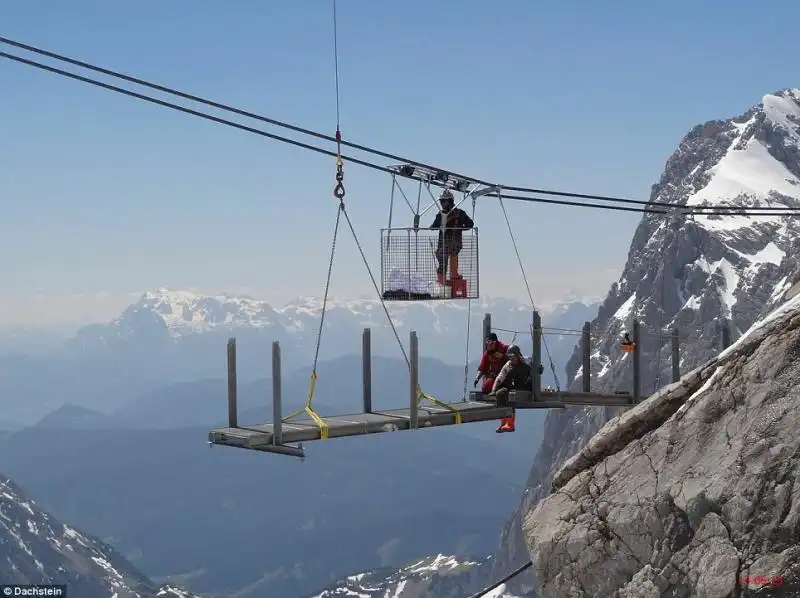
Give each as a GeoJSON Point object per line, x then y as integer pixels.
{"type": "Point", "coordinates": [261, 437]}
{"type": "Point", "coordinates": [275, 437]}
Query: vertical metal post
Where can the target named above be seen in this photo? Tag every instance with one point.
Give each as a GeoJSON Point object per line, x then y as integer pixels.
{"type": "Point", "coordinates": [366, 362]}
{"type": "Point", "coordinates": [233, 417]}
{"type": "Point", "coordinates": [586, 350]}
{"type": "Point", "coordinates": [487, 328]}
{"type": "Point", "coordinates": [726, 335]}
{"type": "Point", "coordinates": [536, 357]}
{"type": "Point", "coordinates": [637, 372]}
{"type": "Point", "coordinates": [676, 355]}
{"type": "Point", "coordinates": [277, 417]}
{"type": "Point", "coordinates": [413, 357]}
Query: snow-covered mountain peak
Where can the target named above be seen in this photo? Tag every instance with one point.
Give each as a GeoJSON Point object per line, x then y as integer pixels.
{"type": "Point", "coordinates": [184, 311]}
{"type": "Point", "coordinates": [693, 270]}
{"type": "Point", "coordinates": [783, 108]}
{"type": "Point", "coordinates": [748, 160]}
{"type": "Point", "coordinates": [39, 549]}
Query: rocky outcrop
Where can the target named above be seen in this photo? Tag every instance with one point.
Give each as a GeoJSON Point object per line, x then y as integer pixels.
{"type": "Point", "coordinates": [694, 273]}
{"type": "Point", "coordinates": [694, 492]}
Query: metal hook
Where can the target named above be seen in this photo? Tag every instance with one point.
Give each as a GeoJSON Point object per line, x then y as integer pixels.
{"type": "Point", "coordinates": [338, 191]}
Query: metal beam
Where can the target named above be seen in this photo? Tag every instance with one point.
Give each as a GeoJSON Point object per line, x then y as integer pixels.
{"type": "Point", "coordinates": [283, 449]}
{"type": "Point", "coordinates": [277, 417]}
{"type": "Point", "coordinates": [484, 191]}
{"type": "Point", "coordinates": [676, 355]}
{"type": "Point", "coordinates": [233, 415]}
{"type": "Point", "coordinates": [487, 328]}
{"type": "Point", "coordinates": [536, 357]}
{"type": "Point", "coordinates": [637, 373]}
{"type": "Point", "coordinates": [413, 379]}
{"type": "Point", "coordinates": [558, 399]}
{"type": "Point", "coordinates": [366, 367]}
{"type": "Point", "coordinates": [586, 350]}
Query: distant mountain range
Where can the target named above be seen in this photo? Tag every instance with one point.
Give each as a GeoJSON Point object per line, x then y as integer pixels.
{"type": "Point", "coordinates": [171, 336]}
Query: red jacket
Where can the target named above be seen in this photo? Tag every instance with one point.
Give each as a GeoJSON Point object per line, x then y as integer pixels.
{"type": "Point", "coordinates": [490, 365]}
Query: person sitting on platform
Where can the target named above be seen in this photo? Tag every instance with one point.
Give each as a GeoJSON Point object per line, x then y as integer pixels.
{"type": "Point", "coordinates": [516, 374]}
{"type": "Point", "coordinates": [451, 221]}
{"type": "Point", "coordinates": [492, 360]}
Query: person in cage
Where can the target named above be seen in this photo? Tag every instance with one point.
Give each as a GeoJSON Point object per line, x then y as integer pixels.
{"type": "Point", "coordinates": [493, 359]}
{"type": "Point", "coordinates": [516, 374]}
{"type": "Point", "coordinates": [450, 221]}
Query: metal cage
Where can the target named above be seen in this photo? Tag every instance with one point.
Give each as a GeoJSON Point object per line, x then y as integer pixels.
{"type": "Point", "coordinates": [429, 264]}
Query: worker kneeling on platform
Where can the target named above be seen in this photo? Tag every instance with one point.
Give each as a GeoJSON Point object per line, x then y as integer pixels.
{"type": "Point", "coordinates": [492, 361]}
{"type": "Point", "coordinates": [516, 374]}
{"type": "Point", "coordinates": [451, 221]}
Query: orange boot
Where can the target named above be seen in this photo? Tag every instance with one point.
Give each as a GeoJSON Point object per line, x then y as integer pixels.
{"type": "Point", "coordinates": [507, 424]}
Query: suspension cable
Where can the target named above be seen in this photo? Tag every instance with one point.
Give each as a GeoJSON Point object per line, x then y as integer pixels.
{"type": "Point", "coordinates": [528, 287]}
{"type": "Point", "coordinates": [222, 106]}
{"type": "Point", "coordinates": [336, 67]}
{"type": "Point", "coordinates": [501, 581]}
{"type": "Point", "coordinates": [338, 191]}
{"type": "Point", "coordinates": [668, 209]}
{"type": "Point", "coordinates": [193, 112]}
{"type": "Point", "coordinates": [646, 206]}
{"type": "Point", "coordinates": [647, 209]}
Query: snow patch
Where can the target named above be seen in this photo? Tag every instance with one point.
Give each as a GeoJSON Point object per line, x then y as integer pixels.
{"type": "Point", "coordinates": [751, 171]}
{"type": "Point", "coordinates": [789, 306]}
{"type": "Point", "coordinates": [624, 311]}
{"type": "Point", "coordinates": [771, 254]}
{"type": "Point", "coordinates": [782, 110]}
{"type": "Point", "coordinates": [731, 279]}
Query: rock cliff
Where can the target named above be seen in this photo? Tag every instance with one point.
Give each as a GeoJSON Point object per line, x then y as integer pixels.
{"type": "Point", "coordinates": [695, 273]}
{"type": "Point", "coordinates": [694, 492]}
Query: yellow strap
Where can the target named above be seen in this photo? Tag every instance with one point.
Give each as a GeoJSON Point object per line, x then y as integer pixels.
{"type": "Point", "coordinates": [323, 427]}
{"type": "Point", "coordinates": [422, 396]}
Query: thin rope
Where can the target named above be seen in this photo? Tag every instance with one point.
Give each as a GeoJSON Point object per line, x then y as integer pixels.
{"type": "Point", "coordinates": [528, 287]}
{"type": "Point", "coordinates": [327, 288]}
{"type": "Point", "coordinates": [336, 61]}
{"type": "Point", "coordinates": [377, 289]}
{"type": "Point", "coordinates": [466, 356]}
{"type": "Point", "coordinates": [501, 581]}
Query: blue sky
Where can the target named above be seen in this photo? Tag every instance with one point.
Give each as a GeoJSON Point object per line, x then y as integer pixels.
{"type": "Point", "coordinates": [105, 196]}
